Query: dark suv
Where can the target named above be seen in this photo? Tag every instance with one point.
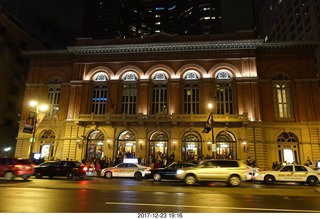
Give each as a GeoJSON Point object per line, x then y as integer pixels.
{"type": "Point", "coordinates": [70, 169]}
{"type": "Point", "coordinates": [10, 168]}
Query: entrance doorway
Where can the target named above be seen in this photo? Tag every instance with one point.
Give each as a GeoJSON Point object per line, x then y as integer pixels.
{"type": "Point", "coordinates": [288, 150]}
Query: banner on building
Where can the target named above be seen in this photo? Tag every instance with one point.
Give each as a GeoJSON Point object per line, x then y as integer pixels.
{"type": "Point", "coordinates": [209, 124]}
{"type": "Point", "coordinates": [29, 126]}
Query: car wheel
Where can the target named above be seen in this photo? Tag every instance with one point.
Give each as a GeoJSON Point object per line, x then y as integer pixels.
{"type": "Point", "coordinates": [25, 177]}
{"type": "Point", "coordinates": [137, 175]}
{"type": "Point", "coordinates": [70, 175]}
{"type": "Point", "coordinates": [234, 180]}
{"type": "Point", "coordinates": [157, 177]}
{"type": "Point", "coordinates": [108, 175]}
{"type": "Point", "coordinates": [190, 180]}
{"type": "Point", "coordinates": [38, 175]}
{"type": "Point", "coordinates": [9, 176]}
{"type": "Point", "coordinates": [268, 179]}
{"type": "Point", "coordinates": [312, 180]}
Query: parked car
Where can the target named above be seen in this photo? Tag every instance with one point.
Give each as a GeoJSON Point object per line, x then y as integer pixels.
{"type": "Point", "coordinates": [232, 172]}
{"type": "Point", "coordinates": [133, 170]}
{"type": "Point", "coordinates": [10, 168]}
{"type": "Point", "coordinates": [169, 172]}
{"type": "Point", "coordinates": [289, 173]}
{"type": "Point", "coordinates": [70, 169]}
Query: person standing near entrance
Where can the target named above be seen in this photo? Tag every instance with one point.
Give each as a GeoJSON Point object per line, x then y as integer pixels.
{"type": "Point", "coordinates": [171, 158]}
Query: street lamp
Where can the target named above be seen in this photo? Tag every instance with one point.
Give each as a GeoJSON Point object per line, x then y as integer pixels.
{"type": "Point", "coordinates": [35, 120]}
{"type": "Point", "coordinates": [214, 148]}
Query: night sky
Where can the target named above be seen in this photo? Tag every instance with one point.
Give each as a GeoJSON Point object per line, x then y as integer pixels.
{"type": "Point", "coordinates": [65, 19]}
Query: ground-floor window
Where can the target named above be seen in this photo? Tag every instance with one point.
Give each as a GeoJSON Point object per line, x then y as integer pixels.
{"type": "Point", "coordinates": [126, 147]}
{"type": "Point", "coordinates": [158, 148]}
{"type": "Point", "coordinates": [95, 145]}
{"type": "Point", "coordinates": [191, 147]}
{"type": "Point", "coordinates": [288, 150]}
{"type": "Point", "coordinates": [226, 146]}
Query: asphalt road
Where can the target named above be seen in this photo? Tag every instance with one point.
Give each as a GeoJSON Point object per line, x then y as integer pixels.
{"type": "Point", "coordinates": [147, 199]}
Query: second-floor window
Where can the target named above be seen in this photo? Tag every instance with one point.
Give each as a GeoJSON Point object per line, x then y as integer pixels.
{"type": "Point", "coordinates": [282, 96]}
{"type": "Point", "coordinates": [53, 97]}
{"type": "Point", "coordinates": [224, 93]}
{"type": "Point", "coordinates": [191, 93]}
{"type": "Point", "coordinates": [160, 94]}
{"type": "Point", "coordinates": [129, 94]}
{"type": "Point", "coordinates": [100, 94]}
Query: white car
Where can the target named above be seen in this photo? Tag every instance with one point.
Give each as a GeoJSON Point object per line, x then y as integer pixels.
{"type": "Point", "coordinates": [289, 173]}
{"type": "Point", "coordinates": [252, 172]}
{"type": "Point", "coordinates": [133, 170]}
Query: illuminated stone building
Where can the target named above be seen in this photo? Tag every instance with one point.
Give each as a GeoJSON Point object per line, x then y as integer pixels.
{"type": "Point", "coordinates": [149, 97]}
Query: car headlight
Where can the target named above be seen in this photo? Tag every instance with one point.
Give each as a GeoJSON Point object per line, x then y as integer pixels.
{"type": "Point", "coordinates": [180, 171]}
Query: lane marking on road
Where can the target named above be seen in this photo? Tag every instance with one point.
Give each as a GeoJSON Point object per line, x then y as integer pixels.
{"type": "Point", "coordinates": [213, 207]}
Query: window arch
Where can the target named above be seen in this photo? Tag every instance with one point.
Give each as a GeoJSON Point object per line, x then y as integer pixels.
{"type": "Point", "coordinates": [282, 96]}
{"type": "Point", "coordinates": [224, 92]}
{"type": "Point", "coordinates": [191, 93]}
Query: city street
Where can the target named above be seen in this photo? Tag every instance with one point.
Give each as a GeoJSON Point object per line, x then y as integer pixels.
{"type": "Point", "coordinates": [99, 195]}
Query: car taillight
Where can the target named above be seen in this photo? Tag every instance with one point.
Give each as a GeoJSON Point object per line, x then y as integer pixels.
{"type": "Point", "coordinates": [85, 168]}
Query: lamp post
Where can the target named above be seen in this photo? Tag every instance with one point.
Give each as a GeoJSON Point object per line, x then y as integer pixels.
{"type": "Point", "coordinates": [214, 148]}
{"type": "Point", "coordinates": [38, 108]}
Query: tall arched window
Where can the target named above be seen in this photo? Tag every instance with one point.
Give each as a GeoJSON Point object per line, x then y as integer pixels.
{"type": "Point", "coordinates": [100, 94]}
{"type": "Point", "coordinates": [191, 93]}
{"type": "Point", "coordinates": [224, 92]}
{"type": "Point", "coordinates": [160, 93]}
{"type": "Point", "coordinates": [191, 147]}
{"type": "Point", "coordinates": [288, 150]}
{"type": "Point", "coordinates": [129, 93]}
{"type": "Point", "coordinates": [282, 96]}
{"type": "Point", "coordinates": [53, 97]}
{"type": "Point", "coordinates": [226, 146]}
{"type": "Point", "coordinates": [95, 145]}
{"type": "Point", "coordinates": [158, 147]}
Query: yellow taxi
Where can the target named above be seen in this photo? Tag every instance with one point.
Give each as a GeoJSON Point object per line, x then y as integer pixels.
{"type": "Point", "coordinates": [289, 173]}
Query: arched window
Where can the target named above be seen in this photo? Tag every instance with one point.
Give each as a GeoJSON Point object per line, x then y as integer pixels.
{"type": "Point", "coordinates": [191, 147]}
{"type": "Point", "coordinates": [226, 146]}
{"type": "Point", "coordinates": [95, 145]}
{"type": "Point", "coordinates": [53, 97]}
{"type": "Point", "coordinates": [129, 93]}
{"type": "Point", "coordinates": [191, 93]}
{"type": "Point", "coordinates": [158, 147]}
{"type": "Point", "coordinates": [282, 96]}
{"type": "Point", "coordinates": [126, 145]}
{"type": "Point", "coordinates": [160, 93]}
{"type": "Point", "coordinates": [288, 150]}
{"type": "Point", "coordinates": [100, 94]}
{"type": "Point", "coordinates": [224, 92]}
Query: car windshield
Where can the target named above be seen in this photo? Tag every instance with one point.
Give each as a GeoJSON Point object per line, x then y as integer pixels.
{"type": "Point", "coordinates": [277, 168]}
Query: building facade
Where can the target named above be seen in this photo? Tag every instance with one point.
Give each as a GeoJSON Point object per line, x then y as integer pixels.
{"type": "Point", "coordinates": [148, 98]}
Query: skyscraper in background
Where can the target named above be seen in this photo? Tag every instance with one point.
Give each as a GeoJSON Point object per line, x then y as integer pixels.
{"type": "Point", "coordinates": [139, 18]}
{"type": "Point", "coordinates": [287, 20]}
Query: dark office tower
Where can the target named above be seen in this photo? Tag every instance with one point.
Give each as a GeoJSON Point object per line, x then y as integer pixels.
{"type": "Point", "coordinates": [102, 19]}
{"type": "Point", "coordinates": [199, 17]}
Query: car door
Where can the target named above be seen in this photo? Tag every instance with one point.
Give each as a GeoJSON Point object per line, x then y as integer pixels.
{"type": "Point", "coordinates": [209, 171]}
{"type": "Point", "coordinates": [170, 171]}
{"type": "Point", "coordinates": [285, 174]}
{"type": "Point", "coordinates": [119, 171]}
{"type": "Point", "coordinates": [300, 173]}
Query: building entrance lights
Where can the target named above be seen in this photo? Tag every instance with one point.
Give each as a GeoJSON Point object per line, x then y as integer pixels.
{"type": "Point", "coordinates": [34, 119]}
